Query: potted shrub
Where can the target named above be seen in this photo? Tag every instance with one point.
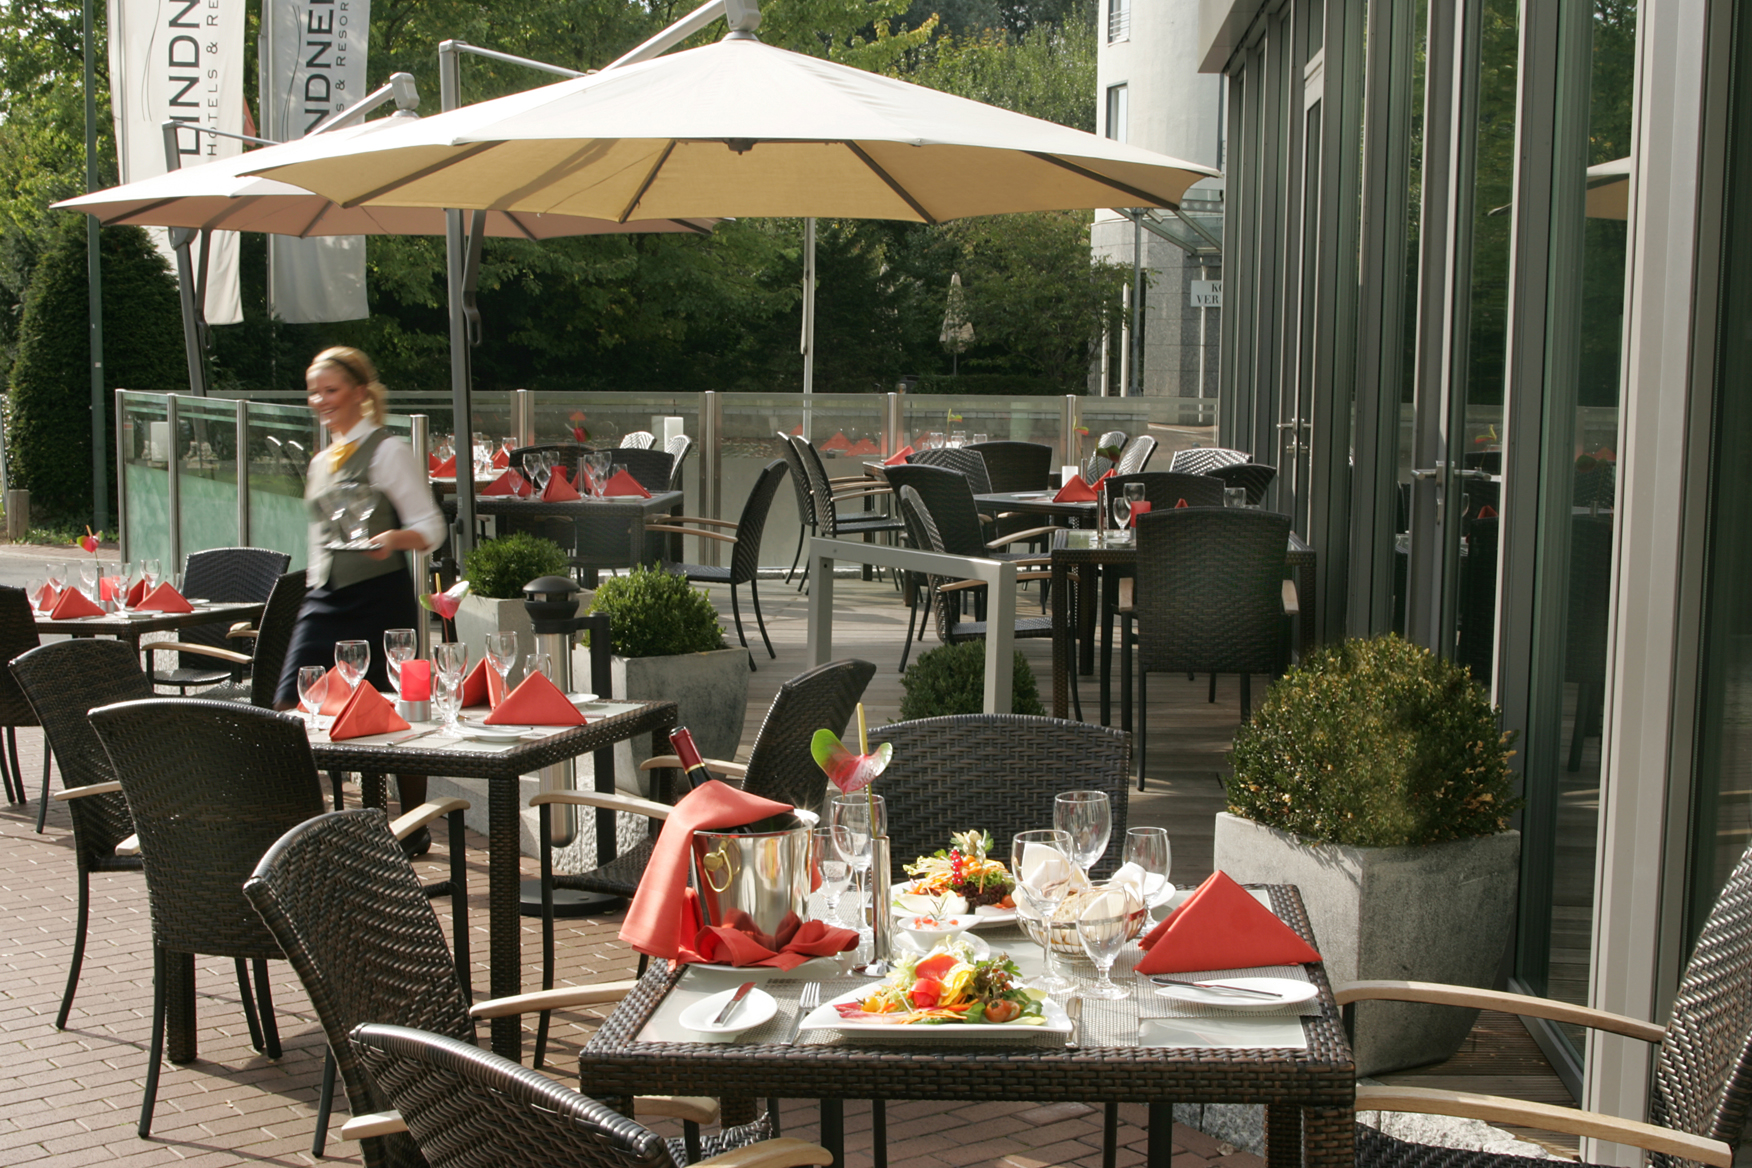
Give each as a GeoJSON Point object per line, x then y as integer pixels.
{"type": "Point", "coordinates": [950, 679]}
{"type": "Point", "coordinates": [497, 570]}
{"type": "Point", "coordinates": [1376, 778]}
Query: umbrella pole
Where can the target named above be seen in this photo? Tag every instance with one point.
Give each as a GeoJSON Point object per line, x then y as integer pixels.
{"type": "Point", "coordinates": [808, 323]}
{"type": "Point", "coordinates": [462, 412]}
{"type": "Point", "coordinates": [180, 238]}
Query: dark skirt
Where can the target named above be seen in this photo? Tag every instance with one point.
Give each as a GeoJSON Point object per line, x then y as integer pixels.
{"type": "Point", "coordinates": [360, 612]}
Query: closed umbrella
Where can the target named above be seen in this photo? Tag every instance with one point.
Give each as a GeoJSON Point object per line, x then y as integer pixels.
{"type": "Point", "coordinates": [957, 332]}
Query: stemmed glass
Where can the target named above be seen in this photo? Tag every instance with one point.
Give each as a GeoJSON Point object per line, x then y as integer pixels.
{"type": "Point", "coordinates": [312, 690]}
{"type": "Point", "coordinates": [449, 658]}
{"type": "Point", "coordinates": [1087, 818]}
{"type": "Point", "coordinates": [600, 461]}
{"type": "Point", "coordinates": [1149, 849]}
{"type": "Point", "coordinates": [1134, 494]}
{"type": "Point", "coordinates": [150, 571]}
{"type": "Point", "coordinates": [1103, 927]}
{"type": "Point", "coordinates": [353, 658]}
{"type": "Point", "coordinates": [539, 662]}
{"type": "Point", "coordinates": [55, 576]}
{"type": "Point", "coordinates": [446, 700]}
{"type": "Point", "coordinates": [535, 470]}
{"type": "Point", "coordinates": [1041, 863]}
{"type": "Point", "coordinates": [850, 817]}
{"type": "Point", "coordinates": [502, 654]}
{"type": "Point", "coordinates": [831, 867]}
{"type": "Point", "coordinates": [398, 646]}
{"type": "Point", "coordinates": [88, 575]}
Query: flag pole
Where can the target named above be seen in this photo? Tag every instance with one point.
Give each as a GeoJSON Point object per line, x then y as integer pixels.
{"type": "Point", "coordinates": [94, 287]}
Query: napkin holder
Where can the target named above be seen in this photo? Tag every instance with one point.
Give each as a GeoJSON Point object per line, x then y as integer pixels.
{"type": "Point", "coordinates": [413, 711]}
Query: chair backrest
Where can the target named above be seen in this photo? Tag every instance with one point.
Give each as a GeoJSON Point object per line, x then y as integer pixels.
{"type": "Point", "coordinates": [17, 635]}
{"type": "Point", "coordinates": [638, 440]}
{"type": "Point", "coordinates": [212, 785]}
{"type": "Point", "coordinates": [820, 490]}
{"type": "Point", "coordinates": [1165, 488]}
{"type": "Point", "coordinates": [650, 467]}
{"type": "Point", "coordinates": [948, 497]}
{"type": "Point", "coordinates": [567, 453]}
{"type": "Point", "coordinates": [1209, 593]}
{"type": "Point", "coordinates": [274, 637]}
{"type": "Point", "coordinates": [1136, 455]}
{"type": "Point", "coordinates": [1008, 766]}
{"type": "Point", "coordinates": [745, 556]}
{"type": "Point", "coordinates": [1255, 476]}
{"type": "Point", "coordinates": [466, 1107]}
{"type": "Point", "coordinates": [780, 765]}
{"type": "Point", "coordinates": [1016, 466]}
{"type": "Point", "coordinates": [1111, 440]}
{"type": "Point", "coordinates": [1199, 459]}
{"type": "Point", "coordinates": [346, 907]}
{"type": "Point", "coordinates": [678, 448]}
{"type": "Point", "coordinates": [63, 681]}
{"type": "Point", "coordinates": [234, 573]}
{"type": "Point", "coordinates": [959, 458]}
{"type": "Point", "coordinates": [799, 479]}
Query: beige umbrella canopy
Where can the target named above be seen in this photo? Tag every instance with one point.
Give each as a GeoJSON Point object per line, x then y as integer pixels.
{"type": "Point", "coordinates": [1609, 189]}
{"type": "Point", "coordinates": [737, 128]}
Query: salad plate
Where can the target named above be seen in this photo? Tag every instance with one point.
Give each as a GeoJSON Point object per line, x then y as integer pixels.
{"type": "Point", "coordinates": [948, 995]}
{"type": "Point", "coordinates": [910, 903]}
{"type": "Point", "coordinates": [827, 1017]}
{"type": "Point", "coordinates": [977, 947]}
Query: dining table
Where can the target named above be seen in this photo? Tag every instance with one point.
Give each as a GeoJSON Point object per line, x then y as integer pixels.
{"type": "Point", "coordinates": [1143, 1048]}
{"type": "Point", "coordinates": [130, 626]}
{"type": "Point", "coordinates": [607, 532]}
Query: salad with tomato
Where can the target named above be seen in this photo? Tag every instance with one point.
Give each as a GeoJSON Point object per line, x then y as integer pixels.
{"type": "Point", "coordinates": [964, 869]}
{"type": "Point", "coordinates": [946, 988]}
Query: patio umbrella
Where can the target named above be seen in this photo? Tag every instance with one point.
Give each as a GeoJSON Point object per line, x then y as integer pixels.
{"type": "Point", "coordinates": [957, 332]}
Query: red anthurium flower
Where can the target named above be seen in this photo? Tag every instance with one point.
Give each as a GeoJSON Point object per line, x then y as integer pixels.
{"type": "Point", "coordinates": [447, 602]}
{"type": "Point", "coordinates": [848, 771]}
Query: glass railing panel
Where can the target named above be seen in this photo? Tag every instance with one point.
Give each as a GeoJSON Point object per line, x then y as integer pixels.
{"type": "Point", "coordinates": [206, 447]}
{"type": "Point", "coordinates": [605, 418]}
{"type": "Point", "coordinates": [999, 419]}
{"type": "Point", "coordinates": [144, 434]}
{"type": "Point", "coordinates": [1176, 423]}
{"type": "Point", "coordinates": [281, 440]}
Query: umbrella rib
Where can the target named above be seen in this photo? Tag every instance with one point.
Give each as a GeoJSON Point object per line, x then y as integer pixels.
{"type": "Point", "coordinates": [518, 223]}
{"type": "Point", "coordinates": [892, 185]}
{"type": "Point", "coordinates": [406, 179]}
{"type": "Point", "coordinates": [304, 232]}
{"type": "Point", "coordinates": [693, 227]}
{"type": "Point", "coordinates": [649, 179]}
{"type": "Point", "coordinates": [1136, 192]}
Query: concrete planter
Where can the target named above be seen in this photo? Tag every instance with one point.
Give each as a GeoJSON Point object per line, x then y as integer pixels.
{"type": "Point", "coordinates": [479, 615]}
{"type": "Point", "coordinates": [1435, 913]}
{"type": "Point", "coordinates": [711, 689]}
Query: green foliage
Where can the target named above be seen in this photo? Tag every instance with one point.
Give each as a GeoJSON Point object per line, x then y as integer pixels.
{"type": "Point", "coordinates": [653, 613]}
{"type": "Point", "coordinates": [1049, 72]}
{"type": "Point", "coordinates": [950, 679]}
{"type": "Point", "coordinates": [1375, 743]}
{"type": "Point", "coordinates": [499, 568]}
{"type": "Point", "coordinates": [50, 440]}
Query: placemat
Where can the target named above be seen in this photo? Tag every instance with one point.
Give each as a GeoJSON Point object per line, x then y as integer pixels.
{"type": "Point", "coordinates": [786, 992]}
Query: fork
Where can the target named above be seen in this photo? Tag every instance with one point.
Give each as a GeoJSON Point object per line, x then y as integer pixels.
{"type": "Point", "coordinates": [807, 1001]}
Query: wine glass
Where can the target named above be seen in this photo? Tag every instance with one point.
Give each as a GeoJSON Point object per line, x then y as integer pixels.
{"type": "Point", "coordinates": [1149, 849]}
{"type": "Point", "coordinates": [1121, 508]}
{"type": "Point", "coordinates": [831, 867]}
{"type": "Point", "coordinates": [353, 658]}
{"type": "Point", "coordinates": [449, 658]}
{"type": "Point", "coordinates": [54, 574]}
{"type": "Point", "coordinates": [1087, 818]}
{"type": "Point", "coordinates": [88, 574]}
{"type": "Point", "coordinates": [502, 653]}
{"type": "Point", "coordinates": [534, 470]}
{"type": "Point", "coordinates": [398, 646]}
{"type": "Point", "coordinates": [1041, 864]}
{"type": "Point", "coordinates": [1134, 494]}
{"type": "Point", "coordinates": [150, 570]}
{"type": "Point", "coordinates": [312, 691]}
{"type": "Point", "coordinates": [446, 700]}
{"type": "Point", "coordinates": [539, 662]}
{"type": "Point", "coordinates": [854, 827]}
{"type": "Point", "coordinates": [600, 461]}
{"type": "Point", "coordinates": [1103, 927]}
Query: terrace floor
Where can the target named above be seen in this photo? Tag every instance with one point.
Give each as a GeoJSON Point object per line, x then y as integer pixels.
{"type": "Point", "coordinates": [72, 1097]}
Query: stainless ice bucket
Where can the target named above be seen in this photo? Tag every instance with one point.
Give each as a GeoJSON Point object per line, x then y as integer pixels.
{"type": "Point", "coordinates": [763, 872]}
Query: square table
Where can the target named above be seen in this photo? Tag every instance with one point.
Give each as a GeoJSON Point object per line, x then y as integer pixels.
{"type": "Point", "coordinates": [607, 533]}
{"type": "Point", "coordinates": [131, 626]}
{"type": "Point", "coordinates": [1309, 1091]}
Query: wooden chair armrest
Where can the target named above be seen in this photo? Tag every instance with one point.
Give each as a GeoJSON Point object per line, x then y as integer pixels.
{"type": "Point", "coordinates": [698, 1108]}
{"type": "Point", "coordinates": [1023, 536]}
{"type": "Point", "coordinates": [516, 1005]}
{"type": "Point", "coordinates": [702, 519]}
{"type": "Point", "coordinates": [1292, 599]}
{"type": "Point", "coordinates": [857, 478]}
{"type": "Point", "coordinates": [690, 531]}
{"type": "Point", "coordinates": [842, 496]}
{"type": "Point", "coordinates": [88, 790]}
{"type": "Point", "coordinates": [1449, 995]}
{"type": "Point", "coordinates": [615, 802]}
{"type": "Point", "coordinates": [961, 585]}
{"type": "Point", "coordinates": [1021, 576]}
{"type": "Point", "coordinates": [719, 765]}
{"type": "Point", "coordinates": [407, 823]}
{"type": "Point", "coordinates": [381, 1123]}
{"type": "Point", "coordinates": [230, 655]}
{"type": "Point", "coordinates": [129, 846]}
{"type": "Point", "coordinates": [781, 1153]}
{"type": "Point", "coordinates": [244, 630]}
{"type": "Point", "coordinates": [1494, 1109]}
{"type": "Point", "coordinates": [1033, 562]}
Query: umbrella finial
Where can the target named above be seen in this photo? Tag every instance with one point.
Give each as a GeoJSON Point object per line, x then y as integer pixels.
{"type": "Point", "coordinates": [743, 16]}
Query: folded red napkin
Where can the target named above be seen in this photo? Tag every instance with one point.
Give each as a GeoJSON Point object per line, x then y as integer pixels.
{"type": "Point", "coordinates": [839, 441]}
{"type": "Point", "coordinates": [136, 594]}
{"type": "Point", "coordinates": [898, 458]}
{"type": "Point", "coordinates": [483, 686]}
{"type": "Point", "coordinates": [737, 942]}
{"type": "Point", "coordinates": [864, 446]}
{"type": "Point", "coordinates": [509, 483]}
{"type": "Point", "coordinates": [46, 596]}
{"type": "Point", "coordinates": [73, 604]}
{"type": "Point", "coordinates": [366, 712]}
{"type": "Point", "coordinates": [164, 598]}
{"type": "Point", "coordinates": [1075, 491]}
{"type": "Point", "coordinates": [110, 588]}
{"type": "Point", "coordinates": [661, 917]}
{"type": "Point", "coordinates": [338, 695]}
{"type": "Point", "coordinates": [1180, 504]}
{"type": "Point", "coordinates": [1141, 507]}
{"type": "Point", "coordinates": [1487, 512]}
{"type": "Point", "coordinates": [432, 461]}
{"type": "Point", "coordinates": [625, 484]}
{"type": "Point", "coordinates": [562, 472]}
{"type": "Point", "coordinates": [443, 468]}
{"type": "Point", "coordinates": [558, 490]}
{"type": "Point", "coordinates": [501, 458]}
{"type": "Point", "coordinates": [1221, 926]}
{"type": "Point", "coordinates": [535, 702]}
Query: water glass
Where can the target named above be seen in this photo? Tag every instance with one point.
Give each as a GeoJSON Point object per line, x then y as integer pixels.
{"type": "Point", "coordinates": [1234, 496]}
{"type": "Point", "coordinates": [979, 439]}
{"type": "Point", "coordinates": [830, 868]}
{"type": "Point", "coordinates": [150, 570]}
{"type": "Point", "coordinates": [502, 652]}
{"type": "Point", "coordinates": [447, 700]}
{"type": "Point", "coordinates": [449, 658]}
{"type": "Point", "coordinates": [1121, 506]}
{"type": "Point", "coordinates": [538, 662]}
{"type": "Point", "coordinates": [1087, 818]}
{"type": "Point", "coordinates": [353, 658]}
{"type": "Point", "coordinates": [312, 691]}
{"type": "Point", "coordinates": [1041, 864]}
{"type": "Point", "coordinates": [957, 438]}
{"type": "Point", "coordinates": [856, 819]}
{"type": "Point", "coordinates": [398, 646]}
{"type": "Point", "coordinates": [1103, 927]}
{"type": "Point", "coordinates": [1148, 848]}
{"type": "Point", "coordinates": [55, 575]}
{"type": "Point", "coordinates": [88, 573]}
{"type": "Point", "coordinates": [534, 471]}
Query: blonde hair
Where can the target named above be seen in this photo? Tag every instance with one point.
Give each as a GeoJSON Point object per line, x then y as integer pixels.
{"type": "Point", "coordinates": [359, 369]}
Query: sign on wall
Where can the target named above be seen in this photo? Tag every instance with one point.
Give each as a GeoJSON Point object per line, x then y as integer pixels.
{"type": "Point", "coordinates": [1207, 294]}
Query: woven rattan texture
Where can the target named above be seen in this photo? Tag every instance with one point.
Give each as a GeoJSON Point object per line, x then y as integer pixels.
{"type": "Point", "coordinates": [948, 497]}
{"type": "Point", "coordinates": [1016, 466]}
{"type": "Point", "coordinates": [1136, 455]}
{"type": "Point", "coordinates": [679, 448]}
{"type": "Point", "coordinates": [636, 440]}
{"type": "Point", "coordinates": [829, 522]}
{"type": "Point", "coordinates": [1210, 590]}
{"type": "Point", "coordinates": [1200, 459]}
{"type": "Point", "coordinates": [346, 907]}
{"type": "Point", "coordinates": [62, 681]}
{"type": "Point", "coordinates": [273, 637]}
{"type": "Point", "coordinates": [780, 765]}
{"type": "Point", "coordinates": [467, 1108]}
{"type": "Point", "coordinates": [964, 459]}
{"type": "Point", "coordinates": [994, 771]}
{"type": "Point", "coordinates": [239, 573]}
{"type": "Point", "coordinates": [17, 635]}
{"type": "Point", "coordinates": [751, 524]}
{"type": "Point", "coordinates": [1163, 489]}
{"type": "Point", "coordinates": [650, 467]}
{"type": "Point", "coordinates": [212, 785]}
{"type": "Point", "coordinates": [922, 533]}
{"type": "Point", "coordinates": [799, 481]}
{"type": "Point", "coordinates": [1255, 476]}
{"type": "Point", "coordinates": [1375, 1150]}
{"type": "Point", "coordinates": [619, 877]}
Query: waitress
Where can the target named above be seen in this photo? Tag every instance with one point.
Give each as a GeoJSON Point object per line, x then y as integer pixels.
{"type": "Point", "coordinates": [357, 595]}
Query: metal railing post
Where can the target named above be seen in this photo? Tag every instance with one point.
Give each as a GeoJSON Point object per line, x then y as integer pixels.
{"type": "Point", "coordinates": [122, 478]}
{"type": "Point", "coordinates": [1068, 431]}
{"type": "Point", "coordinates": [242, 472]}
{"type": "Point", "coordinates": [173, 467]}
{"type": "Point", "coordinates": [891, 425]}
{"type": "Point", "coordinates": [523, 417]}
{"type": "Point", "coordinates": [419, 562]}
{"type": "Point", "coordinates": [711, 467]}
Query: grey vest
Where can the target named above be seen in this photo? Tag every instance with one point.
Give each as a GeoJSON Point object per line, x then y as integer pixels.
{"type": "Point", "coordinates": [338, 569]}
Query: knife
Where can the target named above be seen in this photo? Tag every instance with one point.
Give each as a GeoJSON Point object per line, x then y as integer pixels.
{"type": "Point", "coordinates": [409, 737]}
{"type": "Point", "coordinates": [735, 1001]}
{"type": "Point", "coordinates": [1219, 988]}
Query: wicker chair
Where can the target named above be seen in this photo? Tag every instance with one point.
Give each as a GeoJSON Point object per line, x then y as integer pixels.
{"type": "Point", "coordinates": [1016, 466]}
{"type": "Point", "coordinates": [18, 635]}
{"type": "Point", "coordinates": [566, 454]}
{"type": "Point", "coordinates": [650, 468]}
{"type": "Point", "coordinates": [1165, 488]}
{"type": "Point", "coordinates": [678, 448]}
{"type": "Point", "coordinates": [1255, 476]}
{"type": "Point", "coordinates": [779, 766]}
{"type": "Point", "coordinates": [957, 458]}
{"type": "Point", "coordinates": [1200, 459]}
{"type": "Point", "coordinates": [825, 498]}
{"type": "Point", "coordinates": [1209, 599]}
{"type": "Point", "coordinates": [466, 1107]}
{"type": "Point", "coordinates": [1703, 1066]}
{"type": "Point", "coordinates": [273, 636]}
{"type": "Point", "coordinates": [1135, 456]}
{"type": "Point", "coordinates": [637, 440]}
{"type": "Point", "coordinates": [233, 574]}
{"type": "Point", "coordinates": [744, 550]}
{"type": "Point", "coordinates": [61, 682]}
{"type": "Point", "coordinates": [805, 502]}
{"type": "Point", "coordinates": [1111, 440]}
{"type": "Point", "coordinates": [1022, 763]}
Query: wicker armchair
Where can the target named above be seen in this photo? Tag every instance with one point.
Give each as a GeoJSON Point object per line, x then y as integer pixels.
{"type": "Point", "coordinates": [779, 766]}
{"type": "Point", "coordinates": [826, 494]}
{"type": "Point", "coordinates": [1703, 1067]}
{"type": "Point", "coordinates": [1165, 488]}
{"type": "Point", "coordinates": [1135, 456]}
{"type": "Point", "coordinates": [232, 574]}
{"type": "Point", "coordinates": [567, 454]}
{"type": "Point", "coordinates": [964, 459]}
{"type": "Point", "coordinates": [744, 550]}
{"type": "Point", "coordinates": [1254, 476]}
{"type": "Point", "coordinates": [18, 635]}
{"type": "Point", "coordinates": [61, 682]}
{"type": "Point", "coordinates": [678, 448]}
{"type": "Point", "coordinates": [637, 440]}
{"type": "Point", "coordinates": [272, 635]}
{"type": "Point", "coordinates": [1016, 466]}
{"type": "Point", "coordinates": [466, 1107]}
{"type": "Point", "coordinates": [1209, 599]}
{"type": "Point", "coordinates": [805, 502]}
{"type": "Point", "coordinates": [1200, 459]}
{"type": "Point", "coordinates": [651, 468]}
{"type": "Point", "coordinates": [1022, 763]}
{"type": "Point", "coordinates": [1096, 463]}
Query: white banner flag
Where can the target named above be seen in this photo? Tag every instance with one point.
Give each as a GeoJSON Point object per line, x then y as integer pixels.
{"type": "Point", "coordinates": [180, 60]}
{"type": "Point", "coordinates": [312, 56]}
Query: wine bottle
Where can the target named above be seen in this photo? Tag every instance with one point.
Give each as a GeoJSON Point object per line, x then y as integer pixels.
{"type": "Point", "coordinates": [681, 741]}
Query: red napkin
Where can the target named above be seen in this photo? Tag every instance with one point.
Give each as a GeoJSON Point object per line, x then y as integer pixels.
{"type": "Point", "coordinates": [661, 917]}
{"type": "Point", "coordinates": [1487, 512]}
{"type": "Point", "coordinates": [1075, 491]}
{"type": "Point", "coordinates": [366, 712]}
{"type": "Point", "coordinates": [74, 603]}
{"type": "Point", "coordinates": [899, 457]}
{"type": "Point", "coordinates": [1221, 926]}
{"type": "Point", "coordinates": [164, 598]}
{"type": "Point", "coordinates": [864, 446]}
{"type": "Point", "coordinates": [46, 596]}
{"type": "Point", "coordinates": [737, 942]}
{"type": "Point", "coordinates": [1141, 507]}
{"type": "Point", "coordinates": [1180, 504]}
{"type": "Point", "coordinates": [509, 483]}
{"type": "Point", "coordinates": [136, 594]}
{"type": "Point", "coordinates": [501, 458]}
{"type": "Point", "coordinates": [558, 490]}
{"type": "Point", "coordinates": [110, 588]}
{"type": "Point", "coordinates": [432, 463]}
{"type": "Point", "coordinates": [483, 686]}
{"type": "Point", "coordinates": [338, 695]}
{"type": "Point", "coordinates": [535, 702]}
{"type": "Point", "coordinates": [444, 468]}
{"type": "Point", "coordinates": [839, 441]}
{"type": "Point", "coordinates": [625, 484]}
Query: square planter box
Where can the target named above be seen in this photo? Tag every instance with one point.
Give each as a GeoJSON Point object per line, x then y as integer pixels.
{"type": "Point", "coordinates": [711, 689]}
